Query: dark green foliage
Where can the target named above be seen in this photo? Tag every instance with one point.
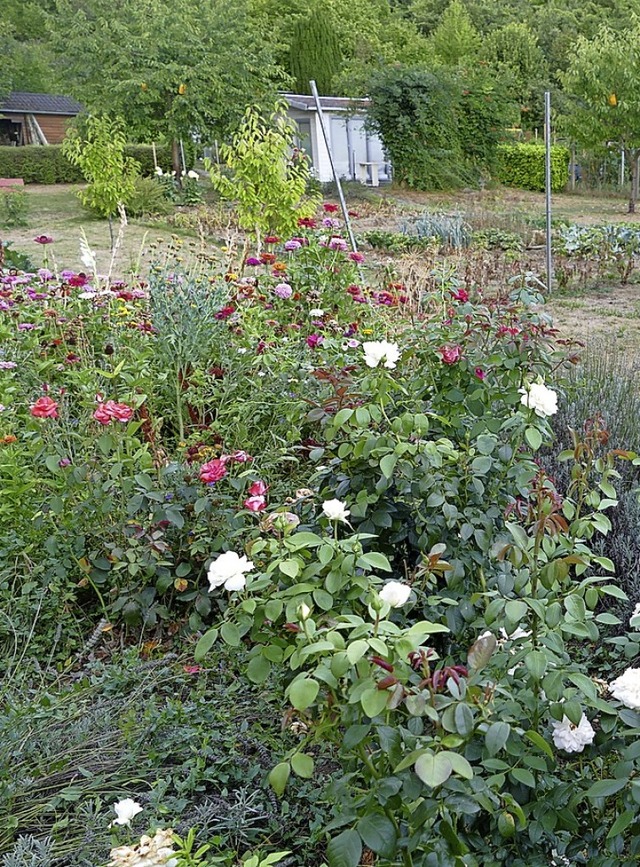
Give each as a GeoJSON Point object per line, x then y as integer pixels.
{"type": "Point", "coordinates": [315, 52]}
{"type": "Point", "coordinates": [148, 198]}
{"type": "Point", "coordinates": [36, 164]}
{"type": "Point", "coordinates": [523, 166]}
{"type": "Point", "coordinates": [440, 128]}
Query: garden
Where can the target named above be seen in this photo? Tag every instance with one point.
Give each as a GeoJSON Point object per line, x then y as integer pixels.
{"type": "Point", "coordinates": [312, 554]}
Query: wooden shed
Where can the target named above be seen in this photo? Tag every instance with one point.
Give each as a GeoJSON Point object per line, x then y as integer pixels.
{"type": "Point", "coordinates": [35, 118]}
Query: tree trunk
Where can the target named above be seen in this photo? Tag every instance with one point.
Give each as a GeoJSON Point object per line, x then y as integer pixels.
{"type": "Point", "coordinates": [176, 160]}
{"type": "Point", "coordinates": [633, 155]}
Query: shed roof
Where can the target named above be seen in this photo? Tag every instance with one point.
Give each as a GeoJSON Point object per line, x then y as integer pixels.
{"type": "Point", "coordinates": [39, 103]}
{"type": "Point", "coordinates": [305, 102]}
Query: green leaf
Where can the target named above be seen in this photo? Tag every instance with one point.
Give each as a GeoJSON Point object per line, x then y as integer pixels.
{"type": "Point", "coordinates": [354, 735]}
{"type": "Point", "coordinates": [341, 417]}
{"type": "Point", "coordinates": [463, 718]}
{"type": "Point", "coordinates": [605, 788]}
{"type": "Point", "coordinates": [303, 692]}
{"type": "Point", "coordinates": [460, 765]}
{"type": "Point", "coordinates": [230, 634]}
{"type": "Point", "coordinates": [533, 438]}
{"type": "Point", "coordinates": [302, 540]}
{"type": "Point", "coordinates": [279, 777]}
{"type": "Point", "coordinates": [481, 466]}
{"type": "Point", "coordinates": [486, 443]}
{"type": "Point", "coordinates": [345, 850]}
{"type": "Point", "coordinates": [434, 769]}
{"type": "Point", "coordinates": [290, 568]}
{"type": "Point", "coordinates": [497, 736]}
{"type": "Point", "coordinates": [356, 650]}
{"type": "Point", "coordinates": [539, 742]}
{"type": "Point", "coordinates": [205, 644]}
{"type": "Point", "coordinates": [622, 823]}
{"type": "Point", "coordinates": [374, 560]}
{"type": "Point", "coordinates": [379, 834]}
{"type": "Point", "coordinates": [506, 825]}
{"type": "Point", "coordinates": [302, 765]}
{"type": "Point", "coordinates": [374, 701]}
{"type": "Point", "coordinates": [522, 775]}
{"type": "Point", "coordinates": [258, 669]}
{"type": "Point", "coordinates": [388, 465]}
{"type": "Point", "coordinates": [515, 609]}
{"type": "Point", "coordinates": [536, 662]}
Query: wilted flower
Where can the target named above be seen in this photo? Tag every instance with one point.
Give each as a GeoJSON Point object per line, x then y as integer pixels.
{"type": "Point", "coordinates": [125, 810]}
{"type": "Point", "coordinates": [542, 400]}
{"type": "Point", "coordinates": [44, 407]}
{"type": "Point", "coordinates": [230, 570]}
{"type": "Point", "coordinates": [570, 737]}
{"type": "Point", "coordinates": [626, 688]}
{"type": "Point", "coordinates": [395, 593]}
{"type": "Point", "coordinates": [377, 350]}
{"type": "Point", "coordinates": [335, 510]}
{"type": "Point", "coordinates": [282, 521]}
{"type": "Point", "coordinates": [156, 851]}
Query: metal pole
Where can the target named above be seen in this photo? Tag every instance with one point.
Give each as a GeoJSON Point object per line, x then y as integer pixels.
{"type": "Point", "coordinates": [547, 183]}
{"type": "Point", "coordinates": [622, 168]}
{"type": "Point", "coordinates": [343, 204]}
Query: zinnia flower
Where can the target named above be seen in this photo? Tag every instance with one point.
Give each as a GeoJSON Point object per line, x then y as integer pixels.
{"type": "Point", "coordinates": [43, 239]}
{"type": "Point", "coordinates": [293, 244]}
{"type": "Point", "coordinates": [356, 257]}
{"type": "Point", "coordinates": [376, 351]}
{"type": "Point", "coordinates": [570, 737]}
{"type": "Point", "coordinates": [230, 570]}
{"type": "Point", "coordinates": [626, 688]}
{"type": "Point", "coordinates": [213, 471]}
{"type": "Point", "coordinates": [395, 593]}
{"type": "Point", "coordinates": [338, 244]}
{"type": "Point", "coordinates": [329, 208]}
{"type": "Point", "coordinates": [542, 400]}
{"type": "Point", "coordinates": [461, 295]}
{"type": "Point", "coordinates": [253, 262]}
{"type": "Point", "coordinates": [335, 510]}
{"type": "Point", "coordinates": [314, 340]}
{"type": "Point", "coordinates": [283, 290]}
{"type": "Point", "coordinates": [125, 811]}
{"type": "Point", "coordinates": [44, 407]}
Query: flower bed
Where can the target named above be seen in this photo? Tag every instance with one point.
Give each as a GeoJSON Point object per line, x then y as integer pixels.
{"type": "Point", "coordinates": [339, 478]}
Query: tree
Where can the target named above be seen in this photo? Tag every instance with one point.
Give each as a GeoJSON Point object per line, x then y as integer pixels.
{"type": "Point", "coordinates": [26, 63]}
{"type": "Point", "coordinates": [98, 149]}
{"type": "Point", "coordinates": [455, 38]}
{"type": "Point", "coordinates": [170, 68]}
{"type": "Point", "coordinates": [315, 52]}
{"type": "Point", "coordinates": [603, 78]}
{"type": "Point", "coordinates": [266, 176]}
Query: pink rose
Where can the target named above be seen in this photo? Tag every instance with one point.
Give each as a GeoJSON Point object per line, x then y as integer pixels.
{"type": "Point", "coordinates": [118, 411]}
{"type": "Point", "coordinates": [44, 407]}
{"type": "Point", "coordinates": [450, 354]}
{"type": "Point", "coordinates": [213, 471]}
{"type": "Point", "coordinates": [102, 414]}
{"type": "Point", "coordinates": [258, 489]}
{"type": "Point", "coordinates": [255, 504]}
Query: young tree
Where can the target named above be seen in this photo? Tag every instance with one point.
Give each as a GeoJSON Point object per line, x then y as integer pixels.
{"type": "Point", "coordinates": [603, 78]}
{"type": "Point", "coordinates": [267, 176]}
{"type": "Point", "coordinates": [170, 68]}
{"type": "Point", "coordinates": [98, 149]}
{"type": "Point", "coordinates": [315, 51]}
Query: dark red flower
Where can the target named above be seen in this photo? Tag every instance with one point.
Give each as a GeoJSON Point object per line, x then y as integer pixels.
{"type": "Point", "coordinates": [225, 312]}
{"type": "Point", "coordinates": [329, 208]}
{"type": "Point", "coordinates": [43, 239]}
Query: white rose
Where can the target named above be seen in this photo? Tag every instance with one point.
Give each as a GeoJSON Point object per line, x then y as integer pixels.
{"type": "Point", "coordinates": [634, 620]}
{"type": "Point", "coordinates": [335, 510]}
{"type": "Point", "coordinates": [626, 688]}
{"type": "Point", "coordinates": [572, 738]}
{"type": "Point", "coordinates": [395, 593]}
{"type": "Point", "coordinates": [542, 400]}
{"type": "Point", "coordinates": [229, 569]}
{"type": "Point", "coordinates": [304, 612]}
{"type": "Point", "coordinates": [159, 171]}
{"type": "Point", "coordinates": [514, 636]}
{"type": "Point", "coordinates": [376, 351]}
{"type": "Point", "coordinates": [193, 175]}
{"type": "Point", "coordinates": [125, 811]}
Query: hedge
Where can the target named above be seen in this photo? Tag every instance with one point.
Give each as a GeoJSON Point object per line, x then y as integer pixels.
{"type": "Point", "coordinates": [523, 166]}
{"type": "Point", "coordinates": [46, 164]}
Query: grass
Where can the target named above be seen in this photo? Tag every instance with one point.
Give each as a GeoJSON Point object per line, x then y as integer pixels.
{"type": "Point", "coordinates": [56, 211]}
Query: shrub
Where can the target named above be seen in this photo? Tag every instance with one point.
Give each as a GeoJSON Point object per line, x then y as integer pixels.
{"type": "Point", "coordinates": [13, 207]}
{"type": "Point", "coordinates": [523, 166]}
{"type": "Point", "coordinates": [147, 197]}
{"type": "Point", "coordinates": [37, 164]}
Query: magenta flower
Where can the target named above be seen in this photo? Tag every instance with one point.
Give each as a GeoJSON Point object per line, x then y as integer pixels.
{"type": "Point", "coordinates": [213, 471]}
{"type": "Point", "coordinates": [255, 504]}
{"type": "Point", "coordinates": [43, 239]}
{"type": "Point", "coordinates": [338, 244]}
{"type": "Point", "coordinates": [356, 257]}
{"type": "Point", "coordinates": [26, 326]}
{"type": "Point", "coordinates": [258, 489]}
{"type": "Point", "coordinates": [479, 372]}
{"type": "Point", "coordinates": [461, 295]}
{"type": "Point", "coordinates": [252, 261]}
{"type": "Point", "coordinates": [314, 340]}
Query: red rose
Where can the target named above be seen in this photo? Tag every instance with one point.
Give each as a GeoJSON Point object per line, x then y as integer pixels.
{"type": "Point", "coordinates": [44, 407]}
